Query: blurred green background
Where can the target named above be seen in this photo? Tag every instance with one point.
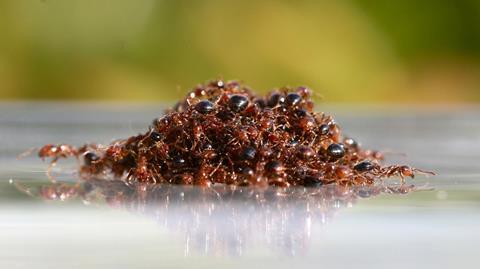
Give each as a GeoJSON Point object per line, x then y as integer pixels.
{"type": "Point", "coordinates": [146, 50]}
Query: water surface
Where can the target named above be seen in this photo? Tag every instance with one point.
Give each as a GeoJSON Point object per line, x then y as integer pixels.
{"type": "Point", "coordinates": [117, 226]}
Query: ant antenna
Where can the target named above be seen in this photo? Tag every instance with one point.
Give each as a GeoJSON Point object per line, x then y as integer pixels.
{"type": "Point", "coordinates": [26, 153]}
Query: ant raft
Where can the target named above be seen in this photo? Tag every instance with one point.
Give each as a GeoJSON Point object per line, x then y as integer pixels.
{"type": "Point", "coordinates": [223, 133]}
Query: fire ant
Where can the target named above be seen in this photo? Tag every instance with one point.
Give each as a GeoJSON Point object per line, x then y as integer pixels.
{"type": "Point", "coordinates": [221, 132]}
{"type": "Point", "coordinates": [402, 171]}
{"type": "Point", "coordinates": [55, 152]}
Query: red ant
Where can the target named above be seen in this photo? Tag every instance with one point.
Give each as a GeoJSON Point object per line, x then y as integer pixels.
{"type": "Point", "coordinates": [402, 171]}
{"type": "Point", "coordinates": [223, 133]}
{"type": "Point", "coordinates": [55, 152]}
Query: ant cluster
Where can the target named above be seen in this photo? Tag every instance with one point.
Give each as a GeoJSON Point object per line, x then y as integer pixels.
{"type": "Point", "coordinates": [221, 132]}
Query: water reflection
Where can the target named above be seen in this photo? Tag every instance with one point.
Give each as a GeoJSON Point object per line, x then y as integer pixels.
{"type": "Point", "coordinates": [223, 220]}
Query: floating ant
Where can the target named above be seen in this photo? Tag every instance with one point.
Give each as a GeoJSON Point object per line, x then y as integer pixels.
{"type": "Point", "coordinates": [402, 171]}
{"type": "Point", "coordinates": [54, 152]}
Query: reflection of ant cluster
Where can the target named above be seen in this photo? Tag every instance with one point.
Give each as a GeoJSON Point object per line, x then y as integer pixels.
{"type": "Point", "coordinates": [223, 133]}
{"type": "Point", "coordinates": [224, 219]}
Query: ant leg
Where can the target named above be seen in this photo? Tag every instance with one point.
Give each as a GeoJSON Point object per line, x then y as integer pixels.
{"type": "Point", "coordinates": [424, 172]}
{"type": "Point", "coordinates": [179, 148]}
{"type": "Point", "coordinates": [205, 138]}
{"type": "Point", "coordinates": [194, 145]}
{"type": "Point", "coordinates": [26, 153]}
{"type": "Point", "coordinates": [233, 140]}
{"type": "Point", "coordinates": [313, 140]}
{"type": "Point", "coordinates": [216, 168]}
{"type": "Point", "coordinates": [49, 170]}
{"type": "Point", "coordinates": [363, 177]}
